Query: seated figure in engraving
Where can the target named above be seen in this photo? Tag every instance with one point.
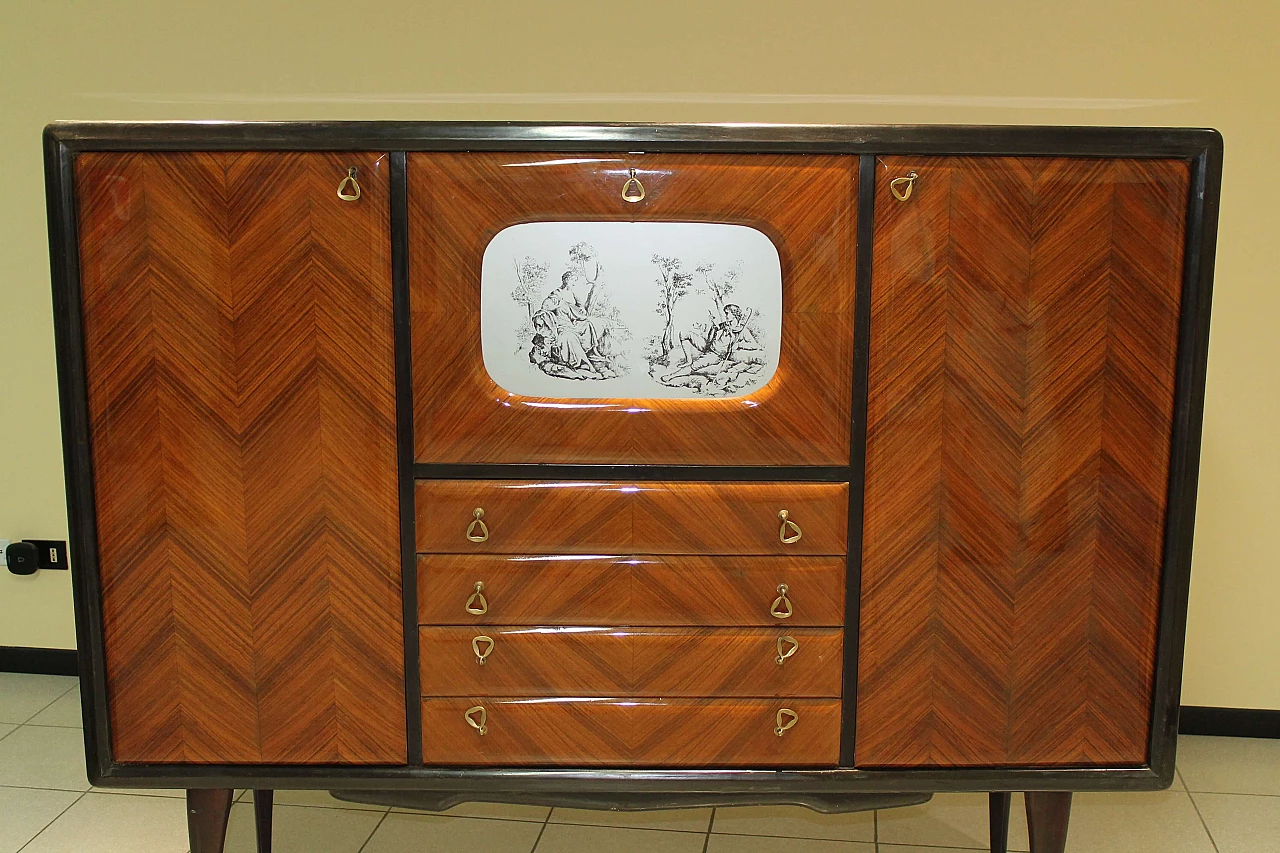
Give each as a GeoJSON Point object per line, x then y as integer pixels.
{"type": "Point", "coordinates": [568, 341]}
{"type": "Point", "coordinates": [726, 351]}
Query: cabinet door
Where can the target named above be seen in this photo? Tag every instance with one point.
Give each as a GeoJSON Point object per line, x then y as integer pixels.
{"type": "Point", "coordinates": [238, 348]}
{"type": "Point", "coordinates": [1023, 341]}
{"type": "Point", "coordinates": [804, 204]}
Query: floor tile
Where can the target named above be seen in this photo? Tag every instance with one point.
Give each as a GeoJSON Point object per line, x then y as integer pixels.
{"type": "Point", "coordinates": [911, 848]}
{"type": "Point", "coordinates": [5, 728]}
{"type": "Point", "coordinates": [495, 811]}
{"type": "Point", "coordinates": [26, 811]}
{"type": "Point", "coordinates": [65, 711]}
{"type": "Point", "coordinates": [423, 833]}
{"type": "Point", "coordinates": [571, 838]}
{"type": "Point", "coordinates": [1241, 823]}
{"type": "Point", "coordinates": [22, 696]}
{"type": "Point", "coordinates": [320, 799]}
{"type": "Point", "coordinates": [795, 822]}
{"type": "Point", "coordinates": [35, 757]}
{"type": "Point", "coordinates": [303, 829]}
{"type": "Point", "coordinates": [172, 793]}
{"type": "Point", "coordinates": [1154, 822]}
{"type": "Point", "coordinates": [756, 844]}
{"type": "Point", "coordinates": [104, 823]}
{"type": "Point", "coordinates": [686, 820]}
{"type": "Point", "coordinates": [952, 820]}
{"type": "Point", "coordinates": [1229, 765]}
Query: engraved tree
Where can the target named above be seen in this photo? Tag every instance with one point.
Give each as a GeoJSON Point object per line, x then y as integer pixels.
{"type": "Point", "coordinates": [672, 285]}
{"type": "Point", "coordinates": [531, 276]}
{"type": "Point", "coordinates": [722, 286]}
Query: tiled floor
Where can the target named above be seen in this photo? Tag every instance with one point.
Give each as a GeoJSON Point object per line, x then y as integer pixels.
{"type": "Point", "coordinates": [1226, 800]}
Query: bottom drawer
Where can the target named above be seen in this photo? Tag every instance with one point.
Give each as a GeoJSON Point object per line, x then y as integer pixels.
{"type": "Point", "coordinates": [632, 732]}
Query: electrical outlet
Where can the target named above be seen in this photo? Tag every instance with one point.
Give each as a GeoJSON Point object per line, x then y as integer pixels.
{"type": "Point", "coordinates": [4, 561]}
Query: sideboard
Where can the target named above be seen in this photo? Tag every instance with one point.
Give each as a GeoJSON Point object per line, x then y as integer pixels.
{"type": "Point", "coordinates": [902, 505]}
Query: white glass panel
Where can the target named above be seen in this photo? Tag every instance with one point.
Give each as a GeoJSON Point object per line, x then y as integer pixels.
{"type": "Point", "coordinates": [579, 310]}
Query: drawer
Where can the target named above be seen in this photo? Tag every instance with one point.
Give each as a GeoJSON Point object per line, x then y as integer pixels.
{"type": "Point", "coordinates": [806, 206]}
{"type": "Point", "coordinates": [675, 662]}
{"type": "Point", "coordinates": [523, 517]}
{"type": "Point", "coordinates": [631, 732]}
{"type": "Point", "coordinates": [640, 590]}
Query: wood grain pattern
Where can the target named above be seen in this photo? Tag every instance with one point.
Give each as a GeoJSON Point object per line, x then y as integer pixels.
{"type": "Point", "coordinates": [576, 661]}
{"type": "Point", "coordinates": [534, 517]}
{"type": "Point", "coordinates": [631, 590]}
{"type": "Point", "coordinates": [238, 337]}
{"type": "Point", "coordinates": [636, 733]}
{"type": "Point", "coordinates": [805, 204]}
{"type": "Point", "coordinates": [1024, 330]}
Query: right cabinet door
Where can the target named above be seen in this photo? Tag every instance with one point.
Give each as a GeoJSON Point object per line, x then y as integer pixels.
{"type": "Point", "coordinates": [1024, 325]}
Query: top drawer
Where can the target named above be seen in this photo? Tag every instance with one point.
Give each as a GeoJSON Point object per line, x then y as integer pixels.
{"type": "Point", "coordinates": [804, 204]}
{"type": "Point", "coordinates": [518, 517]}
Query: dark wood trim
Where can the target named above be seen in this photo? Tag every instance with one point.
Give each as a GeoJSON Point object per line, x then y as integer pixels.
{"type": "Point", "coordinates": [39, 661]}
{"type": "Point", "coordinates": [716, 473]}
{"type": "Point", "coordinates": [404, 449]}
{"type": "Point", "coordinates": [857, 452]}
{"type": "Point", "coordinates": [1229, 722]}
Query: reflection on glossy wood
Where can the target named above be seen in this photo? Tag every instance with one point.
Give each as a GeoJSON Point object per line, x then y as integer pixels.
{"type": "Point", "coordinates": [632, 732]}
{"type": "Point", "coordinates": [574, 661]}
{"type": "Point", "coordinates": [805, 204]}
{"type": "Point", "coordinates": [238, 338]}
{"type": "Point", "coordinates": [1024, 330]}
{"type": "Point", "coordinates": [648, 518]}
{"type": "Point", "coordinates": [633, 590]}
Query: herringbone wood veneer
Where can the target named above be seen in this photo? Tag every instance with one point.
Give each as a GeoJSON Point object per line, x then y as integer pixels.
{"type": "Point", "coordinates": [238, 346]}
{"type": "Point", "coordinates": [1024, 333]}
{"type": "Point", "coordinates": [805, 204]}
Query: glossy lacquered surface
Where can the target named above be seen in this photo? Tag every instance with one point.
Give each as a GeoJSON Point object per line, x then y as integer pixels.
{"type": "Point", "coordinates": [1024, 336]}
{"type": "Point", "coordinates": [804, 204]}
{"type": "Point", "coordinates": [638, 517]}
{"type": "Point", "coordinates": [653, 662]}
{"type": "Point", "coordinates": [630, 590]}
{"type": "Point", "coordinates": [631, 732]}
{"type": "Point", "coordinates": [238, 355]}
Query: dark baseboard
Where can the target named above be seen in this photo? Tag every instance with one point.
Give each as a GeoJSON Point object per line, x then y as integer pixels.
{"type": "Point", "coordinates": [38, 661]}
{"type": "Point", "coordinates": [1195, 719]}
{"type": "Point", "coordinates": [1229, 722]}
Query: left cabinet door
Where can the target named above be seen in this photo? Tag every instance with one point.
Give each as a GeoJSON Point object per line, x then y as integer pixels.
{"type": "Point", "coordinates": [238, 346]}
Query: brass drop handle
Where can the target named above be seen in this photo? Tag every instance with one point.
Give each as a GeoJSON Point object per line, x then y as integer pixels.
{"type": "Point", "coordinates": [901, 187]}
{"type": "Point", "coordinates": [787, 646]}
{"type": "Point", "coordinates": [789, 532]}
{"type": "Point", "coordinates": [482, 653]}
{"type": "Point", "coordinates": [633, 190]}
{"type": "Point", "coordinates": [477, 604]}
{"type": "Point", "coordinates": [477, 717]}
{"type": "Point", "coordinates": [349, 187]}
{"type": "Point", "coordinates": [781, 606]}
{"type": "Point", "coordinates": [477, 530]}
{"type": "Point", "coordinates": [785, 720]}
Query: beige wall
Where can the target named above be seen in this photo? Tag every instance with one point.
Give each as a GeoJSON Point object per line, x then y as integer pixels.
{"type": "Point", "coordinates": [1121, 62]}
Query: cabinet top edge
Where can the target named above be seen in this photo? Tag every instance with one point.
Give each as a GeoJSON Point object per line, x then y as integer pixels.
{"type": "Point", "coordinates": [740, 137]}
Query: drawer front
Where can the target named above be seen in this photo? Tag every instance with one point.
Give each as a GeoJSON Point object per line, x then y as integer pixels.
{"type": "Point", "coordinates": [641, 590]}
{"type": "Point", "coordinates": [676, 662]}
{"type": "Point", "coordinates": [520, 517]}
{"type": "Point", "coordinates": [634, 733]}
{"type": "Point", "coordinates": [804, 204]}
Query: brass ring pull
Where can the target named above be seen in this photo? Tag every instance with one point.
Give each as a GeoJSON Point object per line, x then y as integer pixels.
{"type": "Point", "coordinates": [785, 720]}
{"type": "Point", "coordinates": [633, 190]}
{"type": "Point", "coordinates": [788, 538]}
{"type": "Point", "coordinates": [488, 644]}
{"type": "Point", "coordinates": [477, 605]}
{"type": "Point", "coordinates": [787, 646]}
{"type": "Point", "coordinates": [781, 606]}
{"type": "Point", "coordinates": [477, 717]}
{"type": "Point", "coordinates": [477, 524]}
{"type": "Point", "coordinates": [352, 194]}
{"type": "Point", "coordinates": [897, 183]}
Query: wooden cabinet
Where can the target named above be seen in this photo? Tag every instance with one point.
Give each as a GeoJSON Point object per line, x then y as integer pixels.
{"type": "Point", "coordinates": [316, 543]}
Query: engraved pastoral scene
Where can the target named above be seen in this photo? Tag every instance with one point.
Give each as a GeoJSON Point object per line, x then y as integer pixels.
{"type": "Point", "coordinates": [632, 310]}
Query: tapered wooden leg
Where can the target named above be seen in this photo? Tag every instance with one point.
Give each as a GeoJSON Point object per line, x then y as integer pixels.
{"type": "Point", "coordinates": [262, 818]}
{"type": "Point", "coordinates": [207, 812]}
{"type": "Point", "coordinates": [1048, 813]}
{"type": "Point", "coordinates": [1000, 821]}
